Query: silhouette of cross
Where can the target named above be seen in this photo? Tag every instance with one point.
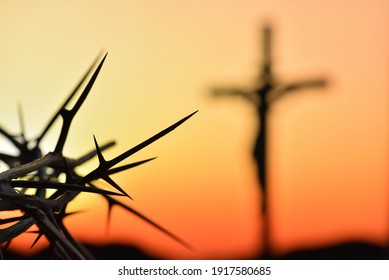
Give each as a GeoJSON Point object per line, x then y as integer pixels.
{"type": "Point", "coordinates": [263, 96]}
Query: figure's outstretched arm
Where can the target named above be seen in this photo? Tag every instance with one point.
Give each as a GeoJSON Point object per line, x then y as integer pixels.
{"type": "Point", "coordinates": [248, 95]}
{"type": "Point", "coordinates": [307, 84]}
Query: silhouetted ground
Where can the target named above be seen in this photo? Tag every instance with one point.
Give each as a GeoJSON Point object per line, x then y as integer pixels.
{"type": "Point", "coordinates": [341, 251]}
{"type": "Point", "coordinates": [109, 252]}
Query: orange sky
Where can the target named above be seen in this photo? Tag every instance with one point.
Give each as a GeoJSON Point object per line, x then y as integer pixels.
{"type": "Point", "coordinates": [328, 154]}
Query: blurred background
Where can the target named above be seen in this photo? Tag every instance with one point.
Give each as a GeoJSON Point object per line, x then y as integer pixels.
{"type": "Point", "coordinates": [328, 154]}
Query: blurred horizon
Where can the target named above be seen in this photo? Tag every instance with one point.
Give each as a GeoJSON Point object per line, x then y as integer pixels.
{"type": "Point", "coordinates": [328, 152]}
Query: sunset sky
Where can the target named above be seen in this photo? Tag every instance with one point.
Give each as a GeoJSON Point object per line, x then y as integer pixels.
{"type": "Point", "coordinates": [329, 148]}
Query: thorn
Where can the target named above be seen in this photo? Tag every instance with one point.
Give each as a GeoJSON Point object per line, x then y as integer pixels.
{"type": "Point", "coordinates": [128, 166]}
{"type": "Point", "coordinates": [98, 151]}
{"type": "Point", "coordinates": [116, 186]}
{"type": "Point", "coordinates": [110, 206]}
{"type": "Point", "coordinates": [72, 94]}
{"type": "Point", "coordinates": [40, 234]}
{"type": "Point", "coordinates": [21, 120]}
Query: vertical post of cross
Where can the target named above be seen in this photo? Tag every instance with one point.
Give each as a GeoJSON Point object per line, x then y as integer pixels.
{"type": "Point", "coordinates": [265, 85]}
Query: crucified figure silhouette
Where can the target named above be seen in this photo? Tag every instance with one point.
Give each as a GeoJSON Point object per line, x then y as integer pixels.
{"type": "Point", "coordinates": [265, 93]}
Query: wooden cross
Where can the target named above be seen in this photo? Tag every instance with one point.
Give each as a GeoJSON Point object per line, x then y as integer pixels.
{"type": "Point", "coordinates": [263, 96]}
